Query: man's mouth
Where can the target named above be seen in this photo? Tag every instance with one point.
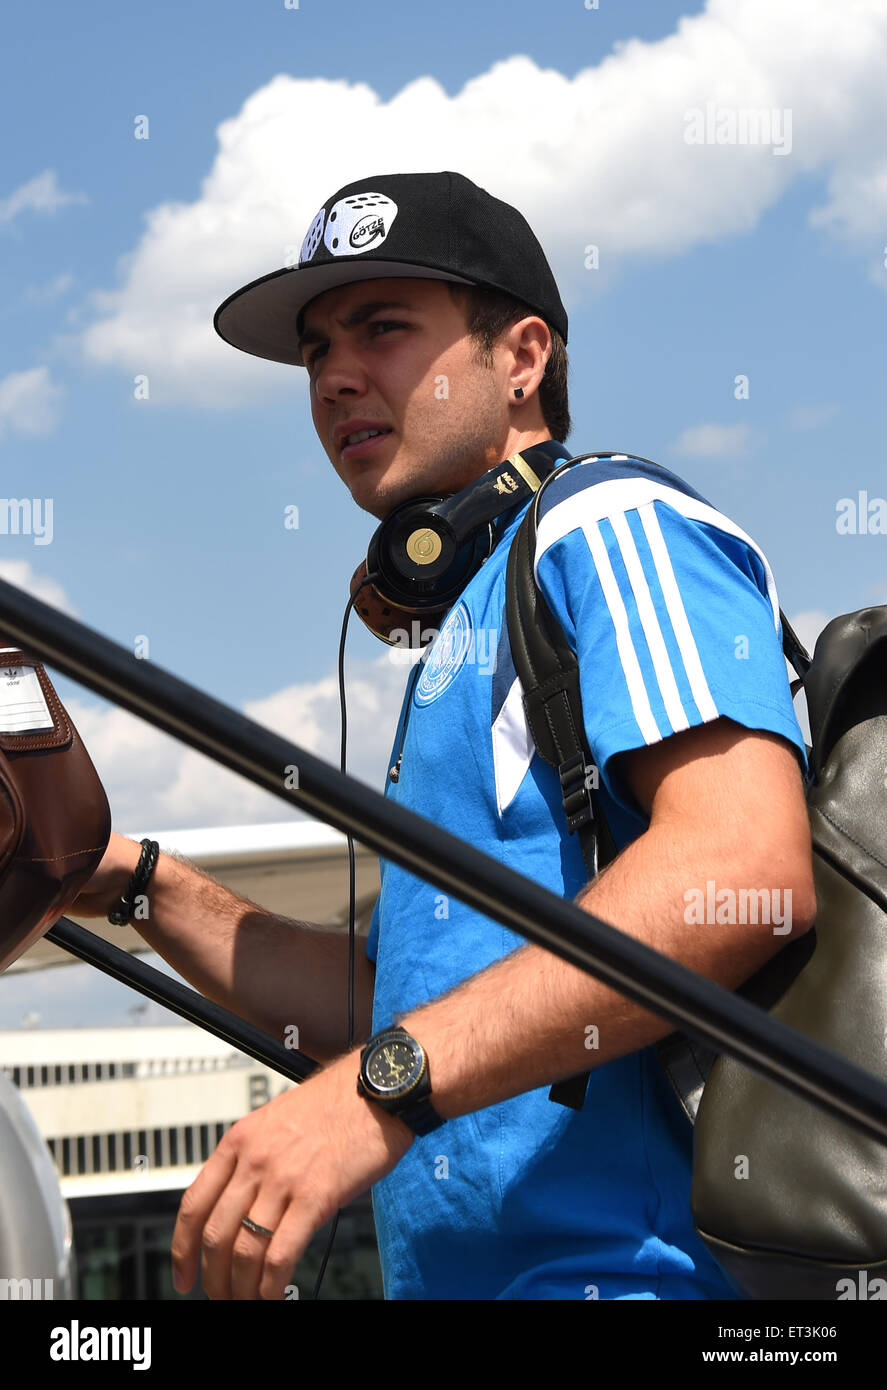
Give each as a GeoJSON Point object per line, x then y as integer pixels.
{"type": "Point", "coordinates": [363, 441]}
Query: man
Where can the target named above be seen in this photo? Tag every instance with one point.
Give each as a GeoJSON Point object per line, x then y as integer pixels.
{"type": "Point", "coordinates": [484, 1188]}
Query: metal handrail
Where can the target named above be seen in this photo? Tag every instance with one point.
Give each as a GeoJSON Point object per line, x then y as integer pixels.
{"type": "Point", "coordinates": [689, 1001]}
{"type": "Point", "coordinates": [180, 999]}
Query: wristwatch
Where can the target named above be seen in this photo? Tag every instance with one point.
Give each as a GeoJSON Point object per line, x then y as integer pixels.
{"type": "Point", "coordinates": [394, 1073]}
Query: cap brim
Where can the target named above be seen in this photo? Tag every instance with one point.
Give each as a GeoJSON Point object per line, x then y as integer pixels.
{"type": "Point", "coordinates": [260, 318]}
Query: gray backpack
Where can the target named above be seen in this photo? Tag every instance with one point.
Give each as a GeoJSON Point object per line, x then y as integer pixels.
{"type": "Point", "coordinates": [809, 1221]}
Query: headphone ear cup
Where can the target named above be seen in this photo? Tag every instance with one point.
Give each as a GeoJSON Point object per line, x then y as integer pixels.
{"type": "Point", "coordinates": [397, 624]}
{"type": "Point", "coordinates": [412, 552]}
{"type": "Point", "coordinates": [419, 570]}
{"type": "Point", "coordinates": [417, 559]}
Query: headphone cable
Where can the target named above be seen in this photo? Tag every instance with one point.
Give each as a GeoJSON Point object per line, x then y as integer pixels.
{"type": "Point", "coordinates": [370, 579]}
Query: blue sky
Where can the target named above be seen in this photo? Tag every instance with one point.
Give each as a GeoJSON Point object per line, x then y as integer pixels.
{"type": "Point", "coordinates": [715, 261]}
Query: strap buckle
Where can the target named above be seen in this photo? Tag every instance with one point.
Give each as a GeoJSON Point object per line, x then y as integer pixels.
{"type": "Point", "coordinates": [575, 792]}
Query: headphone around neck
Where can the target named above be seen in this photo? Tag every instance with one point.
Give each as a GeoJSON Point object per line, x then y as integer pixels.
{"type": "Point", "coordinates": [424, 553]}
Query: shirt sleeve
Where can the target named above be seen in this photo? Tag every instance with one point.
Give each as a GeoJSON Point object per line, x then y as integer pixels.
{"type": "Point", "coordinates": [675, 622]}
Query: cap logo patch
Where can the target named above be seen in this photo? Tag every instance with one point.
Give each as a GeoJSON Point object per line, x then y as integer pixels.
{"type": "Point", "coordinates": [312, 237]}
{"type": "Point", "coordinates": [358, 223]}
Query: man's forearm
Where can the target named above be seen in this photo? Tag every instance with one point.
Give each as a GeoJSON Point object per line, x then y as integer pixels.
{"type": "Point", "coordinates": [528, 1020]}
{"type": "Point", "coordinates": [276, 972]}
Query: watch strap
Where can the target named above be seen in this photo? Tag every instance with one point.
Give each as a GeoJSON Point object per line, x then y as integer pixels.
{"type": "Point", "coordinates": [421, 1116]}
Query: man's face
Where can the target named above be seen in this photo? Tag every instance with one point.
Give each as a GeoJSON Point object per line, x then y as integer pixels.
{"type": "Point", "coordinates": [412, 370]}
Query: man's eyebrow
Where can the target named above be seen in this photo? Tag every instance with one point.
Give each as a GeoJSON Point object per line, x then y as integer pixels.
{"type": "Point", "coordinates": [357, 316]}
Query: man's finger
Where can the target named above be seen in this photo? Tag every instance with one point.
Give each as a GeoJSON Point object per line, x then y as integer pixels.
{"type": "Point", "coordinates": [250, 1248]}
{"type": "Point", "coordinates": [222, 1229]}
{"type": "Point", "coordinates": [195, 1207]}
{"type": "Point", "coordinates": [294, 1230]}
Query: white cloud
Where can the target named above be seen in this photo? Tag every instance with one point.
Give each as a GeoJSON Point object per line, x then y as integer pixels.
{"type": "Point", "coordinates": [29, 402]}
{"type": "Point", "coordinates": [603, 159]}
{"type": "Point", "coordinates": [22, 575]}
{"type": "Point", "coordinates": [152, 779]}
{"type": "Point", "coordinates": [41, 194]}
{"type": "Point", "coordinates": [713, 441]}
{"type": "Point", "coordinates": [49, 292]}
{"type": "Point", "coordinates": [856, 210]}
{"type": "Point", "coordinates": [811, 417]}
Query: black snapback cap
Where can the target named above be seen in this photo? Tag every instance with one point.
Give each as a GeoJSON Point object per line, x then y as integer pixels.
{"type": "Point", "coordinates": [437, 226]}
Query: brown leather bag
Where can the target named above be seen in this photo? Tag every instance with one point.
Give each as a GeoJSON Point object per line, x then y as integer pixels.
{"type": "Point", "coordinates": [55, 821]}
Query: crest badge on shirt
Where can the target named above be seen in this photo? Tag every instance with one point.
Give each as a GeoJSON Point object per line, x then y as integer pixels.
{"type": "Point", "coordinates": [445, 657]}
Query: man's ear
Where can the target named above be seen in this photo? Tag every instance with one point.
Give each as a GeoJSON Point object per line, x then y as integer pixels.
{"type": "Point", "coordinates": [529, 341]}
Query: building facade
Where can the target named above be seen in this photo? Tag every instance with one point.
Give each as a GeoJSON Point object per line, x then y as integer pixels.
{"type": "Point", "coordinates": [130, 1115]}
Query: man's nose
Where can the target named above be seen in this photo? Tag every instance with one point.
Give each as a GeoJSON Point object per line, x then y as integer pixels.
{"type": "Point", "coordinates": [340, 368]}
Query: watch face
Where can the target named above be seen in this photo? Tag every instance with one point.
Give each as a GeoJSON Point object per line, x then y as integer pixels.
{"type": "Point", "coordinates": [394, 1066]}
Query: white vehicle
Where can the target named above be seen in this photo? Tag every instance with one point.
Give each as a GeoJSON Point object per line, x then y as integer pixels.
{"type": "Point", "coordinates": [36, 1246]}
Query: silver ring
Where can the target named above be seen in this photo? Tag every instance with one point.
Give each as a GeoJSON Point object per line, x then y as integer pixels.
{"type": "Point", "coordinates": [254, 1226]}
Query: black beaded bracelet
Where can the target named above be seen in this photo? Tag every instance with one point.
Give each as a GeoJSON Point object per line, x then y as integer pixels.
{"type": "Point", "coordinates": [122, 914]}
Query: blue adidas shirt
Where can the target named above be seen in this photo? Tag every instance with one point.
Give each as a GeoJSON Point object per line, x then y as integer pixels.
{"type": "Point", "coordinates": [674, 616]}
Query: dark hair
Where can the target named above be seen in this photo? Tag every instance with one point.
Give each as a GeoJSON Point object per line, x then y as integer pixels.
{"type": "Point", "coordinates": [487, 315]}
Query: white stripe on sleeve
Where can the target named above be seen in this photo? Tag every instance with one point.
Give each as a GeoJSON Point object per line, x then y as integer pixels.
{"type": "Point", "coordinates": [668, 686]}
{"type": "Point", "coordinates": [677, 613]}
{"type": "Point", "coordinates": [640, 701]}
{"type": "Point", "coordinates": [618, 495]}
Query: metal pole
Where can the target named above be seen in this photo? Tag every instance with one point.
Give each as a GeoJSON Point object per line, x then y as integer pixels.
{"type": "Point", "coordinates": [181, 1000]}
{"type": "Point", "coordinates": [688, 1001]}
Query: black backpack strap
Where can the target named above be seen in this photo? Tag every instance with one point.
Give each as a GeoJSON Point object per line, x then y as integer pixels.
{"type": "Point", "coordinates": [796, 653]}
{"type": "Point", "coordinates": [549, 674]}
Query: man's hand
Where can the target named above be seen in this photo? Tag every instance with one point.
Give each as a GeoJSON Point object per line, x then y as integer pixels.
{"type": "Point", "coordinates": [289, 1166]}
